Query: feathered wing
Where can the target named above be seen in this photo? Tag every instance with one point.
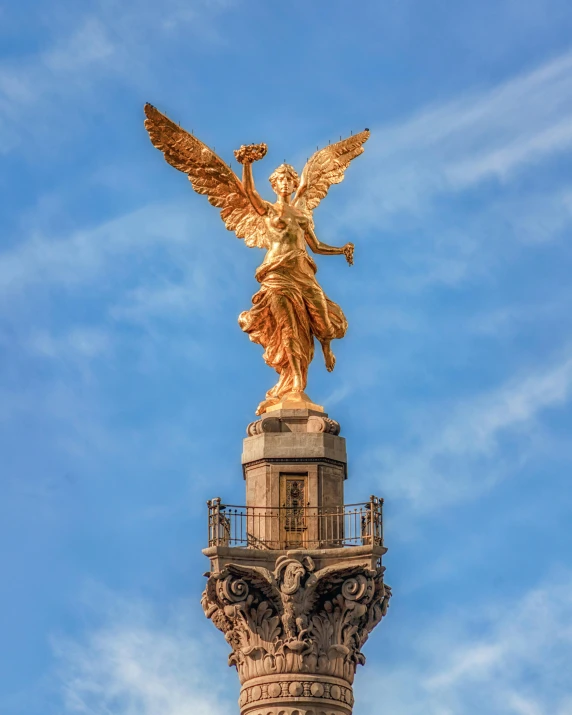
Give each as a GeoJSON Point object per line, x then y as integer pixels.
{"type": "Point", "coordinates": [327, 167]}
{"type": "Point", "coordinates": [208, 175]}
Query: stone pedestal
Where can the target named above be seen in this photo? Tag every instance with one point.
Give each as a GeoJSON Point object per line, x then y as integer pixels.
{"type": "Point", "coordinates": [294, 458]}
{"type": "Point", "coordinates": [295, 618]}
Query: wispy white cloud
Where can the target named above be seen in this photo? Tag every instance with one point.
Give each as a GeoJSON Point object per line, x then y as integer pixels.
{"type": "Point", "coordinates": [80, 342]}
{"type": "Point", "coordinates": [108, 42]}
{"type": "Point", "coordinates": [481, 135]}
{"type": "Point", "coordinates": [502, 658]}
{"type": "Point", "coordinates": [135, 664]}
{"type": "Point", "coordinates": [166, 299]}
{"type": "Point", "coordinates": [537, 217]}
{"type": "Point", "coordinates": [459, 456]}
{"type": "Point", "coordinates": [83, 255]}
{"type": "Point", "coordinates": [416, 168]}
{"type": "Point", "coordinates": [508, 319]}
{"type": "Point", "coordinates": [47, 79]}
{"type": "Point", "coordinates": [102, 258]}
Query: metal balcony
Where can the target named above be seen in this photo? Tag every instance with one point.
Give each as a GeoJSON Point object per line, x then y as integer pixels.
{"type": "Point", "coordinates": [296, 527]}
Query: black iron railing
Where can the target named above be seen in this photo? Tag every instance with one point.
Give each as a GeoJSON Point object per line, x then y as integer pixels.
{"type": "Point", "coordinates": [296, 527]}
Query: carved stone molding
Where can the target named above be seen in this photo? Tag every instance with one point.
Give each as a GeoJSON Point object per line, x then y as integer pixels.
{"type": "Point", "coordinates": [296, 620]}
{"type": "Point", "coordinates": [312, 423]}
{"type": "Point", "coordinates": [268, 424]}
{"type": "Point", "coordinates": [317, 423]}
{"type": "Point", "coordinates": [299, 709]}
{"type": "Point", "coordinates": [312, 692]}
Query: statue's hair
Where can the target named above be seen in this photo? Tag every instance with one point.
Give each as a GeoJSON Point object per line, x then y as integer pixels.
{"type": "Point", "coordinates": [290, 171]}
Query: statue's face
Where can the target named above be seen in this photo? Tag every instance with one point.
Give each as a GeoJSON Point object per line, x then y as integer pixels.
{"type": "Point", "coordinates": [284, 185]}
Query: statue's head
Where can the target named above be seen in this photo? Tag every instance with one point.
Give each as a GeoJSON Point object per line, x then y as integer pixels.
{"type": "Point", "coordinates": [284, 180]}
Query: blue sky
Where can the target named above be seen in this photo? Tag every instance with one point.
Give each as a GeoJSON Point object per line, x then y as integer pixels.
{"type": "Point", "coordinates": [126, 383]}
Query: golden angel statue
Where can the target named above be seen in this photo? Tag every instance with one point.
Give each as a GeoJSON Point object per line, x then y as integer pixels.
{"type": "Point", "coordinates": [290, 309]}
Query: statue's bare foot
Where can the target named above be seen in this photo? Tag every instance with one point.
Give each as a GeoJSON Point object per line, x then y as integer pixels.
{"type": "Point", "coordinates": [329, 356]}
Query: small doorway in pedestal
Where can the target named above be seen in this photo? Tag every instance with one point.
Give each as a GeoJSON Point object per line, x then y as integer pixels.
{"type": "Point", "coordinates": [293, 511]}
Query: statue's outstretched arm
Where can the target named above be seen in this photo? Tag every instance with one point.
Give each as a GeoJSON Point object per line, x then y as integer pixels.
{"type": "Point", "coordinates": [248, 182]}
{"type": "Point", "coordinates": [322, 248]}
{"type": "Point", "coordinates": [246, 155]}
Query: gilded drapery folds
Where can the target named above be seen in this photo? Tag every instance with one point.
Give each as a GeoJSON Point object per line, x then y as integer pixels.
{"type": "Point", "coordinates": [286, 316]}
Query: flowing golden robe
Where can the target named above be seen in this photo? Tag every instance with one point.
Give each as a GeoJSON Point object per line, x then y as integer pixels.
{"type": "Point", "coordinates": [286, 316]}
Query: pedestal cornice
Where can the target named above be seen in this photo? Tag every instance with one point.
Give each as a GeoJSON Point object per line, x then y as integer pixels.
{"type": "Point", "coordinates": [294, 436]}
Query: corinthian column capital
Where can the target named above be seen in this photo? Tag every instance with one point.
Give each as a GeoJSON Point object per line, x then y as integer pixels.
{"type": "Point", "coordinates": [296, 633]}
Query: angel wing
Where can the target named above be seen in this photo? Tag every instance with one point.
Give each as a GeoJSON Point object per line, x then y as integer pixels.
{"type": "Point", "coordinates": [208, 175]}
{"type": "Point", "coordinates": [327, 167]}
